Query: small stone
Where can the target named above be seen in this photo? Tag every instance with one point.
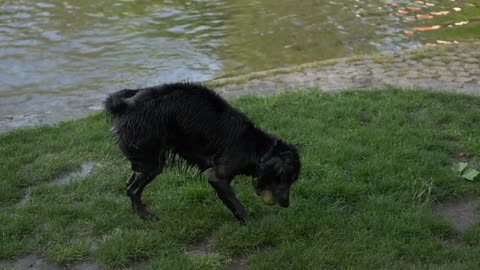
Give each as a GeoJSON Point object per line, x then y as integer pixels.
{"type": "Point", "coordinates": [462, 74]}
{"type": "Point", "coordinates": [349, 70]}
{"type": "Point", "coordinates": [310, 73]}
{"type": "Point", "coordinates": [454, 64]}
{"type": "Point", "coordinates": [397, 59]}
{"type": "Point", "coordinates": [474, 72]}
{"type": "Point", "coordinates": [378, 71]}
{"type": "Point", "coordinates": [340, 65]}
{"type": "Point", "coordinates": [471, 60]}
{"type": "Point", "coordinates": [445, 73]}
{"type": "Point", "coordinates": [465, 56]}
{"type": "Point", "coordinates": [437, 63]}
{"type": "Point", "coordinates": [412, 75]}
{"type": "Point", "coordinates": [430, 71]}
{"type": "Point", "coordinates": [412, 62]}
{"type": "Point", "coordinates": [463, 79]}
{"type": "Point", "coordinates": [427, 60]}
{"type": "Point", "coordinates": [401, 65]}
{"type": "Point", "coordinates": [441, 68]}
{"type": "Point", "coordinates": [447, 78]}
{"type": "Point", "coordinates": [367, 61]}
{"type": "Point", "coordinates": [471, 66]}
{"type": "Point", "coordinates": [452, 58]}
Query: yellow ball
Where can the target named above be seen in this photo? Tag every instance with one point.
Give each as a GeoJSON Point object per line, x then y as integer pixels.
{"type": "Point", "coordinates": [267, 197]}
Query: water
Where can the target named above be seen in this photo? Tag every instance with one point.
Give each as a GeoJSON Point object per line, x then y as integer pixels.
{"type": "Point", "coordinates": [63, 47]}
{"type": "Point", "coordinates": [56, 52]}
{"type": "Point", "coordinates": [97, 45]}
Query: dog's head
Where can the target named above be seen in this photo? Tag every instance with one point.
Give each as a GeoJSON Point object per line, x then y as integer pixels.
{"type": "Point", "coordinates": [277, 170]}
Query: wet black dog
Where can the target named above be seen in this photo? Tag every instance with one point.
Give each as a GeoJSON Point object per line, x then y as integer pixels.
{"type": "Point", "coordinates": [151, 125]}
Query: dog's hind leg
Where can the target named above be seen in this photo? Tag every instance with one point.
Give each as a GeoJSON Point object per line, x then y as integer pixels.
{"type": "Point", "coordinates": [137, 183]}
{"type": "Point", "coordinates": [134, 191]}
{"type": "Point", "coordinates": [225, 193]}
{"type": "Point", "coordinates": [131, 179]}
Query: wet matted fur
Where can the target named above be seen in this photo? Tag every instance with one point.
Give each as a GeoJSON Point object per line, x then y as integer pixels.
{"type": "Point", "coordinates": [152, 125]}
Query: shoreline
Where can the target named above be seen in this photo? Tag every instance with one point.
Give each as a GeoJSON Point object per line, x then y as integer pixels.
{"type": "Point", "coordinates": [452, 67]}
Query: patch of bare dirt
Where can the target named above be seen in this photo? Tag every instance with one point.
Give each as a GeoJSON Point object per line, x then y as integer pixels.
{"type": "Point", "coordinates": [460, 213]}
{"type": "Point", "coordinates": [236, 264]}
{"type": "Point", "coordinates": [85, 170]}
{"type": "Point", "coordinates": [205, 248]}
{"type": "Point", "coordinates": [26, 196]}
{"type": "Point", "coordinates": [138, 265]}
{"type": "Point", "coordinates": [202, 248]}
{"type": "Point", "coordinates": [455, 243]}
{"type": "Point", "coordinates": [34, 262]}
{"type": "Point", "coordinates": [461, 157]}
{"type": "Point", "coordinates": [86, 265]}
{"type": "Point", "coordinates": [365, 118]}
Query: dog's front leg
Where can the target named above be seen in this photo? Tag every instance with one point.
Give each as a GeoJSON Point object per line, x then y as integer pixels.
{"type": "Point", "coordinates": [226, 194]}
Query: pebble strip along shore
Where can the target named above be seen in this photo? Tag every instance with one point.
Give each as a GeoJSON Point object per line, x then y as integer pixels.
{"type": "Point", "coordinates": [440, 68]}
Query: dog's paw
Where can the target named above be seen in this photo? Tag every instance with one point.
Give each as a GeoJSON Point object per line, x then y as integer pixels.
{"type": "Point", "coordinates": [241, 220]}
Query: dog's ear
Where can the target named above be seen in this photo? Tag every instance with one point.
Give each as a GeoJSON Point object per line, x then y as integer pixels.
{"type": "Point", "coordinates": [278, 163]}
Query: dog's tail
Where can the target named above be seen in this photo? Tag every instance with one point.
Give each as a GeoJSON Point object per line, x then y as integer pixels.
{"type": "Point", "coordinates": [119, 101]}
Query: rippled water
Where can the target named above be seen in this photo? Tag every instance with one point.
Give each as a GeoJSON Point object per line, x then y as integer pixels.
{"type": "Point", "coordinates": [64, 46]}
{"type": "Point", "coordinates": [69, 46]}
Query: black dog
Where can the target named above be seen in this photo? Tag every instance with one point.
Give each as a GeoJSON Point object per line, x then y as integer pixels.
{"type": "Point", "coordinates": [152, 125]}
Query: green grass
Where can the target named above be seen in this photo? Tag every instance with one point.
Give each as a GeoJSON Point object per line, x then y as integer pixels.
{"type": "Point", "coordinates": [373, 162]}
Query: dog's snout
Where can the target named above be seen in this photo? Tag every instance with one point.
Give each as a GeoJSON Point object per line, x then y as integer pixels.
{"type": "Point", "coordinates": [282, 195]}
{"type": "Point", "coordinates": [283, 199]}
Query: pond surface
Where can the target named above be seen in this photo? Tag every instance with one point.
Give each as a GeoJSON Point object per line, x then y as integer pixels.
{"type": "Point", "coordinates": [101, 45]}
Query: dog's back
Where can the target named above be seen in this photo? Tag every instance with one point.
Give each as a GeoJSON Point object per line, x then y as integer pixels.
{"type": "Point", "coordinates": [186, 119]}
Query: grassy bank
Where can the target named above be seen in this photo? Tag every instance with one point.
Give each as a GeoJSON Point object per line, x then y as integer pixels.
{"type": "Point", "coordinates": [373, 164]}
